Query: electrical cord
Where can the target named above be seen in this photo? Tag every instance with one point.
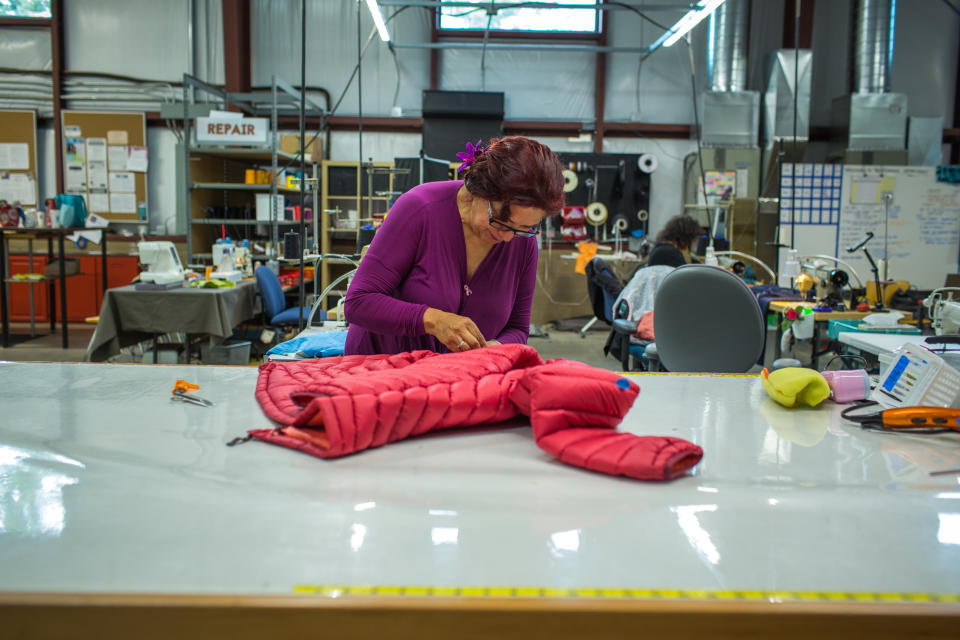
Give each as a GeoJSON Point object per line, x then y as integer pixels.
{"type": "Point", "coordinates": [483, 53]}
{"type": "Point", "coordinates": [702, 184]}
{"type": "Point", "coordinates": [326, 118]}
{"type": "Point", "coordinates": [874, 421]}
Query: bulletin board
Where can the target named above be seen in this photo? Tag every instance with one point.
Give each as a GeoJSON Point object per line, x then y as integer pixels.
{"type": "Point", "coordinates": [105, 160]}
{"type": "Point", "coordinates": [18, 157]}
{"type": "Point", "coordinates": [915, 219]}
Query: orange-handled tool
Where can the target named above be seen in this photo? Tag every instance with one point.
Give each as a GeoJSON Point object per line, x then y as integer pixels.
{"type": "Point", "coordinates": [184, 387]}
{"type": "Point", "coordinates": [921, 418]}
{"type": "Point", "coordinates": [180, 390]}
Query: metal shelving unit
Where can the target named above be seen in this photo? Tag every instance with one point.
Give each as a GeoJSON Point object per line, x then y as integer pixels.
{"type": "Point", "coordinates": [198, 99]}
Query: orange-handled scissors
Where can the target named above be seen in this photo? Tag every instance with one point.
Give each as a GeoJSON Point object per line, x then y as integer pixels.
{"type": "Point", "coordinates": [181, 389]}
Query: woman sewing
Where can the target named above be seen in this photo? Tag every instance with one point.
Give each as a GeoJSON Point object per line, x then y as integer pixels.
{"type": "Point", "coordinates": [453, 267]}
{"type": "Point", "coordinates": [675, 241]}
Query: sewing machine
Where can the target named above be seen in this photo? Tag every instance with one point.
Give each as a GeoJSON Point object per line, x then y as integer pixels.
{"type": "Point", "coordinates": [944, 310]}
{"type": "Point", "coordinates": [161, 261]}
{"type": "Point", "coordinates": [828, 277]}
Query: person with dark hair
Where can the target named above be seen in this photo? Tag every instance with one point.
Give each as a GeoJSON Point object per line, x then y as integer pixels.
{"type": "Point", "coordinates": [454, 265]}
{"type": "Point", "coordinates": [674, 242]}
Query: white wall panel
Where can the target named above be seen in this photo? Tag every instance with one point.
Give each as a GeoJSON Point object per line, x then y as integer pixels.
{"type": "Point", "coordinates": [161, 180]}
{"type": "Point", "coordinates": [666, 198]}
{"type": "Point", "coordinates": [140, 38]}
{"type": "Point", "coordinates": [663, 79]}
{"type": "Point", "coordinates": [46, 163]}
{"type": "Point", "coordinates": [208, 37]}
{"type": "Point", "coordinates": [831, 64]}
{"type": "Point", "coordinates": [925, 57]}
{"type": "Point", "coordinates": [22, 48]}
{"type": "Point", "coordinates": [332, 52]}
{"type": "Point", "coordinates": [539, 85]}
{"type": "Point", "coordinates": [379, 146]}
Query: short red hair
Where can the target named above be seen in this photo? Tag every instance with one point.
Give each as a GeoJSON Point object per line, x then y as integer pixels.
{"type": "Point", "coordinates": [517, 170]}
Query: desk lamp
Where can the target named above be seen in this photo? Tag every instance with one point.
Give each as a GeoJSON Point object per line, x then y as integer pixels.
{"type": "Point", "coordinates": [873, 265]}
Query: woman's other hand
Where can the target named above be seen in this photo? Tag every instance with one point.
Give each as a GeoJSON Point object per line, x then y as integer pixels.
{"type": "Point", "coordinates": [457, 333]}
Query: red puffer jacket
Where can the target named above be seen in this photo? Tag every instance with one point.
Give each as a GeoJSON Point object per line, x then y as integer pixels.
{"type": "Point", "coordinates": [336, 406]}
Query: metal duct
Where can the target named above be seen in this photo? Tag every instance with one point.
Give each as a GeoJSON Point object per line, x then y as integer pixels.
{"type": "Point", "coordinates": [727, 47]}
{"type": "Point", "coordinates": [872, 56]}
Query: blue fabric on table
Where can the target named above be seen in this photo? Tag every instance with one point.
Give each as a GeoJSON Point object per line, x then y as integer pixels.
{"type": "Point", "coordinates": [318, 345]}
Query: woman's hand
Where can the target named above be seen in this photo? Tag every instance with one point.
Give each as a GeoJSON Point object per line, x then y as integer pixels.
{"type": "Point", "coordinates": [457, 333]}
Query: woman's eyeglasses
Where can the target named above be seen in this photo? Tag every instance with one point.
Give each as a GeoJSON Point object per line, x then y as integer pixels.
{"type": "Point", "coordinates": [520, 233]}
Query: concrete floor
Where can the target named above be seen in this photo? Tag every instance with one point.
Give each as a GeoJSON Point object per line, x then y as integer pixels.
{"type": "Point", "coordinates": [46, 346]}
{"type": "Point", "coordinates": [565, 343]}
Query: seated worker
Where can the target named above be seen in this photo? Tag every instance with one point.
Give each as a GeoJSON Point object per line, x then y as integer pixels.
{"type": "Point", "coordinates": [454, 265]}
{"type": "Point", "coordinates": [674, 241]}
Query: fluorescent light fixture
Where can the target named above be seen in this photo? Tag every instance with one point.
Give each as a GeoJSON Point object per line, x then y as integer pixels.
{"type": "Point", "coordinates": [378, 20]}
{"type": "Point", "coordinates": [691, 19]}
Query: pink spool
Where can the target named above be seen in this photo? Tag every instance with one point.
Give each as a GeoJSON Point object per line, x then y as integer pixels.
{"type": "Point", "coordinates": [848, 385]}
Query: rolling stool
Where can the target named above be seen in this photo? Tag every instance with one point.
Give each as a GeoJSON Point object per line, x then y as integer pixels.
{"type": "Point", "coordinates": [783, 363]}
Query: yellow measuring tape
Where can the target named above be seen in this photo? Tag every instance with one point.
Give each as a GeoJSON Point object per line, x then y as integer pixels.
{"type": "Point", "coordinates": [336, 591]}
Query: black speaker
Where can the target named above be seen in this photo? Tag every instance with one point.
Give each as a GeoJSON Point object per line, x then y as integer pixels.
{"type": "Point", "coordinates": [291, 246]}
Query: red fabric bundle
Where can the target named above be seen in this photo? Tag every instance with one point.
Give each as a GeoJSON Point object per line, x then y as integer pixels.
{"type": "Point", "coordinates": [336, 406]}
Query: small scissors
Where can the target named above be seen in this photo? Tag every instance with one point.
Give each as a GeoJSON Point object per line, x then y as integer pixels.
{"type": "Point", "coordinates": [182, 388]}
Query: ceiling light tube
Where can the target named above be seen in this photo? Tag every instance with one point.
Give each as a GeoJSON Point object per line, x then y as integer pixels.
{"type": "Point", "coordinates": [378, 20]}
{"type": "Point", "coordinates": [689, 20]}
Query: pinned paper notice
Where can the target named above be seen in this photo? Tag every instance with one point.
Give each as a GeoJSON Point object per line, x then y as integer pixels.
{"type": "Point", "coordinates": [123, 203]}
{"type": "Point", "coordinates": [18, 187]}
{"type": "Point", "coordinates": [117, 137]}
{"type": "Point", "coordinates": [97, 170]}
{"type": "Point", "coordinates": [117, 158]}
{"type": "Point", "coordinates": [122, 181]}
{"type": "Point", "coordinates": [136, 158]}
{"type": "Point", "coordinates": [76, 150]}
{"type": "Point", "coordinates": [71, 131]}
{"type": "Point", "coordinates": [14, 155]}
{"type": "Point", "coordinates": [76, 176]}
{"type": "Point", "coordinates": [99, 202]}
{"type": "Point", "coordinates": [97, 149]}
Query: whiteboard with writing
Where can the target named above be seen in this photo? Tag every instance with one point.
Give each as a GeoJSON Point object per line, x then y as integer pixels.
{"type": "Point", "coordinates": [915, 222]}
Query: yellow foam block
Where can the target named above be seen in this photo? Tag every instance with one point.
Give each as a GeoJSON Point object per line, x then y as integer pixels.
{"type": "Point", "coordinates": [793, 385]}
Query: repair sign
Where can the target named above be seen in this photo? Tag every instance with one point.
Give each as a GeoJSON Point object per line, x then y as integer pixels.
{"type": "Point", "coordinates": [232, 130]}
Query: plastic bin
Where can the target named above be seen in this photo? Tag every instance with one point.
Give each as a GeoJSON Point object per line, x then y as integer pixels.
{"type": "Point", "coordinates": [232, 352]}
{"type": "Point", "coordinates": [834, 327]}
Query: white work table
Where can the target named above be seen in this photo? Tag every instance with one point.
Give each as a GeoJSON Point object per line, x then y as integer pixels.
{"type": "Point", "coordinates": [124, 512]}
{"type": "Point", "coordinates": [878, 343]}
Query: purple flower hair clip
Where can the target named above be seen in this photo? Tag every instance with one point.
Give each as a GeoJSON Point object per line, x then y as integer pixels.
{"type": "Point", "coordinates": [469, 155]}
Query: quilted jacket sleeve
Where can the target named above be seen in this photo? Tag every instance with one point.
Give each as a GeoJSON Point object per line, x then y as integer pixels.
{"type": "Point", "coordinates": [574, 411]}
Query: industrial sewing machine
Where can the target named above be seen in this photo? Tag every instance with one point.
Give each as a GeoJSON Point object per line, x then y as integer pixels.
{"type": "Point", "coordinates": [161, 262]}
{"type": "Point", "coordinates": [829, 279]}
{"type": "Point", "coordinates": [944, 310]}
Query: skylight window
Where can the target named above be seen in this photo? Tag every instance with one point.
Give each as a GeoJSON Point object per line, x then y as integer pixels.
{"type": "Point", "coordinates": [25, 9]}
{"type": "Point", "coordinates": [515, 16]}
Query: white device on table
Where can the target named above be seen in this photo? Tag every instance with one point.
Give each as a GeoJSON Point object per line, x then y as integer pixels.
{"type": "Point", "coordinates": [944, 310]}
{"type": "Point", "coordinates": [225, 260]}
{"type": "Point", "coordinates": [917, 377]}
{"type": "Point", "coordinates": [162, 262]}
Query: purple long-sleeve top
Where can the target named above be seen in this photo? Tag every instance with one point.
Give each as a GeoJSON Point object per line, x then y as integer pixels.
{"type": "Point", "coordinates": [418, 259]}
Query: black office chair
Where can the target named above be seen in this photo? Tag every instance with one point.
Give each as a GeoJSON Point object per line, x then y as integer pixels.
{"type": "Point", "coordinates": [707, 320]}
{"type": "Point", "coordinates": [603, 287]}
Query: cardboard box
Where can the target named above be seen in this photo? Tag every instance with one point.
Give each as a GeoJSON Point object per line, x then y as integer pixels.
{"type": "Point", "coordinates": [561, 292]}
{"type": "Point", "coordinates": [290, 143]}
